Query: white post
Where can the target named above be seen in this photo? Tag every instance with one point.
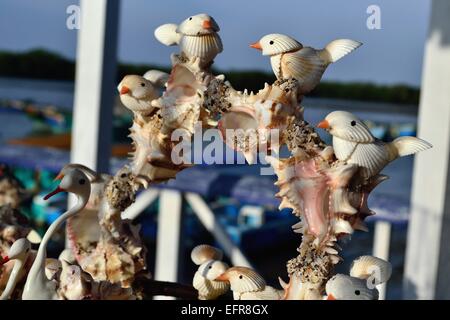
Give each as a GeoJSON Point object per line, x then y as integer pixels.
{"type": "Point", "coordinates": [168, 236]}
{"type": "Point", "coordinates": [381, 245]}
{"type": "Point", "coordinates": [207, 218]}
{"type": "Point", "coordinates": [427, 267]}
{"type": "Point", "coordinates": [95, 83]}
{"type": "Point", "coordinates": [143, 201]}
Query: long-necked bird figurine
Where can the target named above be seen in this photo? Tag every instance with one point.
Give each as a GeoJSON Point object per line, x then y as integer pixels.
{"type": "Point", "coordinates": [290, 59]}
{"type": "Point", "coordinates": [354, 143]}
{"type": "Point", "coordinates": [197, 37]}
{"type": "Point", "coordinates": [247, 284]}
{"type": "Point", "coordinates": [138, 92]}
{"type": "Point", "coordinates": [19, 252]}
{"type": "Point", "coordinates": [37, 285]}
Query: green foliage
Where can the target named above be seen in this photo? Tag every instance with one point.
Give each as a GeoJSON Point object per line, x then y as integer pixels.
{"type": "Point", "coordinates": [42, 64]}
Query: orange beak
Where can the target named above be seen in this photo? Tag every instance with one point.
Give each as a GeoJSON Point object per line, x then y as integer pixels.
{"type": "Point", "coordinates": [59, 177]}
{"type": "Point", "coordinates": [223, 277]}
{"type": "Point", "coordinates": [331, 297]}
{"type": "Point", "coordinates": [207, 24]}
{"type": "Point", "coordinates": [324, 124]}
{"type": "Point", "coordinates": [4, 260]}
{"type": "Point", "coordinates": [124, 90]}
{"type": "Point", "coordinates": [256, 45]}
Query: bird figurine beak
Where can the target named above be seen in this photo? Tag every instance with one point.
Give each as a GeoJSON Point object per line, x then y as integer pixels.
{"type": "Point", "coordinates": [3, 260]}
{"type": "Point", "coordinates": [331, 297]}
{"type": "Point", "coordinates": [324, 124]}
{"type": "Point", "coordinates": [51, 194]}
{"type": "Point", "coordinates": [124, 90]}
{"type": "Point", "coordinates": [59, 176]}
{"type": "Point", "coordinates": [207, 24]}
{"type": "Point", "coordinates": [256, 45]}
{"type": "Point", "coordinates": [223, 277]}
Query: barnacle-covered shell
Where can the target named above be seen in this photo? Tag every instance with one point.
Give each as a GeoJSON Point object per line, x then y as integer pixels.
{"type": "Point", "coordinates": [343, 287]}
{"type": "Point", "coordinates": [209, 289]}
{"type": "Point", "coordinates": [204, 252]}
{"type": "Point", "coordinates": [371, 267]}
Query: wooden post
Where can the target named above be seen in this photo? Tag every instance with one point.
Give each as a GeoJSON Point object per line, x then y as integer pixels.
{"type": "Point", "coordinates": [428, 255]}
{"type": "Point", "coordinates": [95, 84]}
{"type": "Point", "coordinates": [168, 236]}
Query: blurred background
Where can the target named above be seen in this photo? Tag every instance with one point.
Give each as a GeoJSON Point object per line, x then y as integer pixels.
{"type": "Point", "coordinates": [380, 82]}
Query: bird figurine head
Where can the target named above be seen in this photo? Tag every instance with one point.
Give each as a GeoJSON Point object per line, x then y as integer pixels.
{"type": "Point", "coordinates": [136, 86]}
{"type": "Point", "coordinates": [73, 181]}
{"type": "Point", "coordinates": [19, 250]}
{"type": "Point", "coordinates": [243, 279]}
{"type": "Point", "coordinates": [198, 25]}
{"type": "Point", "coordinates": [212, 269]}
{"type": "Point", "coordinates": [275, 43]}
{"type": "Point", "coordinates": [343, 287]}
{"type": "Point", "coordinates": [347, 126]}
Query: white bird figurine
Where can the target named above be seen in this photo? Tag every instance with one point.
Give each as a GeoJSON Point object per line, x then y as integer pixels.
{"type": "Point", "coordinates": [19, 252]}
{"type": "Point", "coordinates": [247, 284]}
{"type": "Point", "coordinates": [289, 59]}
{"type": "Point", "coordinates": [197, 37]}
{"type": "Point", "coordinates": [37, 286]}
{"type": "Point", "coordinates": [138, 92]}
{"type": "Point", "coordinates": [343, 287]}
{"type": "Point", "coordinates": [354, 143]}
{"type": "Point", "coordinates": [210, 267]}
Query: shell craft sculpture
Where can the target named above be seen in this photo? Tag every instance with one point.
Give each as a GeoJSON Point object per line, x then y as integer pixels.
{"type": "Point", "coordinates": [326, 187]}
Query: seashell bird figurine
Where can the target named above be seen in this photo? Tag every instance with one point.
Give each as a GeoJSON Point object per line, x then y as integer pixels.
{"type": "Point", "coordinates": [210, 267]}
{"type": "Point", "coordinates": [290, 59]}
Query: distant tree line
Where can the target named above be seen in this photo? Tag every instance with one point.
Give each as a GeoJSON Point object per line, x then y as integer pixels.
{"type": "Point", "coordinates": [42, 64]}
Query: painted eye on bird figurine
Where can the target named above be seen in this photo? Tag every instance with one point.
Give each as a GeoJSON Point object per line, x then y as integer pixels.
{"type": "Point", "coordinates": [271, 42]}
{"type": "Point", "coordinates": [353, 123]}
{"type": "Point", "coordinates": [81, 181]}
{"type": "Point", "coordinates": [357, 292]}
{"type": "Point", "coordinates": [142, 84]}
{"type": "Point", "coordinates": [190, 18]}
{"type": "Point", "coordinates": [240, 277]}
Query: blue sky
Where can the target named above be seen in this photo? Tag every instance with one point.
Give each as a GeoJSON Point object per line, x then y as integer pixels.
{"type": "Point", "coordinates": [391, 55]}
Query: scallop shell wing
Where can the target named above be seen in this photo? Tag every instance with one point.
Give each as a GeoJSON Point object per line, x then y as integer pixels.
{"type": "Point", "coordinates": [366, 267]}
{"type": "Point", "coordinates": [167, 34]}
{"type": "Point", "coordinates": [207, 289]}
{"type": "Point", "coordinates": [204, 252]}
{"type": "Point", "coordinates": [372, 157]}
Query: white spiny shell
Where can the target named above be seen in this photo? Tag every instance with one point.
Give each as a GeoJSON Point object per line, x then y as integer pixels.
{"type": "Point", "coordinates": [167, 34]}
{"type": "Point", "coordinates": [209, 289]}
{"type": "Point", "coordinates": [244, 279]}
{"type": "Point", "coordinates": [278, 43]}
{"type": "Point", "coordinates": [204, 252]}
{"type": "Point", "coordinates": [375, 268]}
{"type": "Point", "coordinates": [205, 47]}
{"type": "Point", "coordinates": [343, 287]}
